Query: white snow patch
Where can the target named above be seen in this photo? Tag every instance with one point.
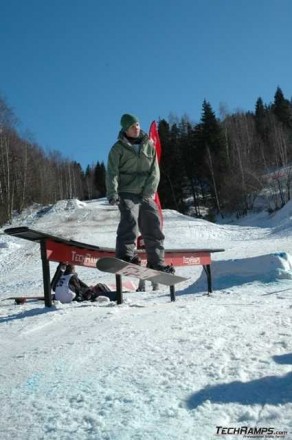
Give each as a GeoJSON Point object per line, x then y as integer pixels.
{"type": "Point", "coordinates": [149, 369]}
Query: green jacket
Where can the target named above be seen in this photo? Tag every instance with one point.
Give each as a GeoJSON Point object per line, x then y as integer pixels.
{"type": "Point", "coordinates": [132, 170]}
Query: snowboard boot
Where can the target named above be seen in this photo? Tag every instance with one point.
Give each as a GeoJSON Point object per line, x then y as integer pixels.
{"type": "Point", "coordinates": [134, 260]}
{"type": "Point", "coordinates": [162, 267]}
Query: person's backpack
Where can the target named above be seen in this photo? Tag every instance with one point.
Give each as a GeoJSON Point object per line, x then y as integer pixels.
{"type": "Point", "coordinates": [57, 275]}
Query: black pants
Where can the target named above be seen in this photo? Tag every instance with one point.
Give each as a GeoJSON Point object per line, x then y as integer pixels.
{"type": "Point", "coordinates": [142, 215]}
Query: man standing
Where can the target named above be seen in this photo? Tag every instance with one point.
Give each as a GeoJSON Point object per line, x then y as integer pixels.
{"type": "Point", "coordinates": [132, 180]}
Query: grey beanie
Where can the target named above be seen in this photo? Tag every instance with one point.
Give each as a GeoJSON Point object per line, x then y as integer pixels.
{"type": "Point", "coordinates": [127, 120]}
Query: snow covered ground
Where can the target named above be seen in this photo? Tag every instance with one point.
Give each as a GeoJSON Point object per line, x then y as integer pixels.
{"type": "Point", "coordinates": [149, 369]}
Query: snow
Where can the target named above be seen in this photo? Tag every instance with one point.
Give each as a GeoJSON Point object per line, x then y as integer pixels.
{"type": "Point", "coordinates": [150, 369]}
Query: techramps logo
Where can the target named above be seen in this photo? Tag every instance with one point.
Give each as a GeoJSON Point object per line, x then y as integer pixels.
{"type": "Point", "coordinates": [247, 432]}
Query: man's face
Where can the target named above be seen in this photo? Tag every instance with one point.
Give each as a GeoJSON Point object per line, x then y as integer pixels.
{"type": "Point", "coordinates": [134, 130]}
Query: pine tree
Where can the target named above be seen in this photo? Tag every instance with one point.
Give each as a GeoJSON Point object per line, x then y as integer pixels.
{"type": "Point", "coordinates": [192, 168]}
{"type": "Point", "coordinates": [212, 150]}
{"type": "Point", "coordinates": [282, 108]}
{"type": "Point", "coordinates": [260, 118]}
{"type": "Point", "coordinates": [171, 168]}
{"type": "Point", "coordinates": [99, 179]}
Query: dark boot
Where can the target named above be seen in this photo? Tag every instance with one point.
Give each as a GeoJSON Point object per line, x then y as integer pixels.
{"type": "Point", "coordinates": [162, 267]}
{"type": "Point", "coordinates": [134, 260]}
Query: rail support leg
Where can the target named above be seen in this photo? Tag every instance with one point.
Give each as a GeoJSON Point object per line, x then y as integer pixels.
{"type": "Point", "coordinates": [119, 289]}
{"type": "Point", "coordinates": [172, 293]}
{"type": "Point", "coordinates": [46, 275]}
{"type": "Point", "coordinates": [207, 269]}
{"type": "Point", "coordinates": [141, 286]}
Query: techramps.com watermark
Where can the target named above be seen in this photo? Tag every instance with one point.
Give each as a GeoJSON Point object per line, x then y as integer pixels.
{"type": "Point", "coordinates": [262, 432]}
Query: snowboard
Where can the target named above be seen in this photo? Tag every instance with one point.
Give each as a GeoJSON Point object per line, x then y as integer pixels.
{"type": "Point", "coordinates": [24, 299]}
{"type": "Point", "coordinates": [127, 286]}
{"type": "Point", "coordinates": [120, 267]}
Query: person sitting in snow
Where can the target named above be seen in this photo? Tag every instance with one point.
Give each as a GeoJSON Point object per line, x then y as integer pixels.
{"type": "Point", "coordinates": [70, 287]}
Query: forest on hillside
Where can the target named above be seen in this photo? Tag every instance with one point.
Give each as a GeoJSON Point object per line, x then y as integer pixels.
{"type": "Point", "coordinates": [30, 175]}
{"type": "Point", "coordinates": [225, 165]}
{"type": "Point", "coordinates": [217, 166]}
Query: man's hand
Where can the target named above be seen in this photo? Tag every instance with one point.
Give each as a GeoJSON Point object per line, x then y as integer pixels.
{"type": "Point", "coordinates": [147, 199]}
{"type": "Point", "coordinates": [114, 200]}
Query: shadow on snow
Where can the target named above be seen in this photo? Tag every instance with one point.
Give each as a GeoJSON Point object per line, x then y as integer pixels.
{"type": "Point", "coordinates": [272, 390]}
{"type": "Point", "coordinates": [27, 313]}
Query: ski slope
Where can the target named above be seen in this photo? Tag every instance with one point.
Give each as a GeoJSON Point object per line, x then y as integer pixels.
{"type": "Point", "coordinates": [150, 369]}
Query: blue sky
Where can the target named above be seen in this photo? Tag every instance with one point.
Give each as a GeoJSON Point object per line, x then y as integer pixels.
{"type": "Point", "coordinates": [71, 68]}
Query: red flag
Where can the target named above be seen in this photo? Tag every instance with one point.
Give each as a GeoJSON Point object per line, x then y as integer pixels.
{"type": "Point", "coordinates": [154, 136]}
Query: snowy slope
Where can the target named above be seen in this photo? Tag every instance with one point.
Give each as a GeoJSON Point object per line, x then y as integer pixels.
{"type": "Point", "coordinates": [149, 368]}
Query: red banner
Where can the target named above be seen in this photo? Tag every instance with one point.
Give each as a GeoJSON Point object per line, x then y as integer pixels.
{"type": "Point", "coordinates": [80, 256]}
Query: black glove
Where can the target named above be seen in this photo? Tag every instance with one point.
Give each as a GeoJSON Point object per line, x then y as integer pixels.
{"type": "Point", "coordinates": [114, 200]}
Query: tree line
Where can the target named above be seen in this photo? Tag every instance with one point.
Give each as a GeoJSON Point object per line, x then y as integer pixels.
{"type": "Point", "coordinates": [30, 175]}
{"type": "Point", "coordinates": [225, 165]}
{"type": "Point", "coordinates": [217, 166]}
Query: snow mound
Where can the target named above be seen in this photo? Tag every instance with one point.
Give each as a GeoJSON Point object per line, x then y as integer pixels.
{"type": "Point", "coordinates": [277, 223]}
{"type": "Point", "coordinates": [263, 268]}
